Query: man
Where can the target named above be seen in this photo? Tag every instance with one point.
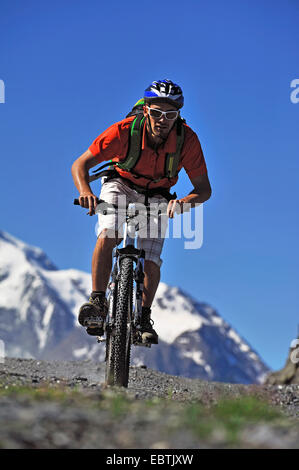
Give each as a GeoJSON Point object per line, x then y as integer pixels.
{"type": "Point", "coordinates": [162, 134]}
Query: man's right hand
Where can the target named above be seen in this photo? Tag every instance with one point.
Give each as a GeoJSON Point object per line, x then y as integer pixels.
{"type": "Point", "coordinates": [80, 169]}
{"type": "Point", "coordinates": [89, 201]}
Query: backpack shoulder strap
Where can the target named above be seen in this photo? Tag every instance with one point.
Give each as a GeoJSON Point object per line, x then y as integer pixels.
{"type": "Point", "coordinates": [172, 159]}
{"type": "Point", "coordinates": [135, 141]}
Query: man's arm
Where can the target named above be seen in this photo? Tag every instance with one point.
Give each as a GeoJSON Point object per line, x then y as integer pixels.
{"type": "Point", "coordinates": [200, 193]}
{"type": "Point", "coordinates": [80, 173]}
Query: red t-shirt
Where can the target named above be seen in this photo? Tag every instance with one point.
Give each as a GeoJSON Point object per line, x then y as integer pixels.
{"type": "Point", "coordinates": [112, 144]}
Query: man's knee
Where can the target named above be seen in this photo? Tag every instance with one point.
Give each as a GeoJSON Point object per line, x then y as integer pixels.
{"type": "Point", "coordinates": [151, 265]}
{"type": "Point", "coordinates": [109, 236]}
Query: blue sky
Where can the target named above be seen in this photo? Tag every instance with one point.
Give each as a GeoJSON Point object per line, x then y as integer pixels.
{"type": "Point", "coordinates": [72, 68]}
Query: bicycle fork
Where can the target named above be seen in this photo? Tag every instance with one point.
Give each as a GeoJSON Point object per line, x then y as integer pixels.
{"type": "Point", "coordinates": [138, 277]}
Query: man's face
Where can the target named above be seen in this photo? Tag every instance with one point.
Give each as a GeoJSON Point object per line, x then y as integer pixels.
{"type": "Point", "coordinates": [160, 126]}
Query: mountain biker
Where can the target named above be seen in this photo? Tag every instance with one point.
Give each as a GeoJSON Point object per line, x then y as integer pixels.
{"type": "Point", "coordinates": [163, 100]}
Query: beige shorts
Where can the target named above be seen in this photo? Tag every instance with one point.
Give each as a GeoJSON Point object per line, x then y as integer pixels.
{"type": "Point", "coordinates": [152, 233]}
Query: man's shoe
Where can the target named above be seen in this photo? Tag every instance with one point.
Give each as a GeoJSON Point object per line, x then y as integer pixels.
{"type": "Point", "coordinates": [92, 315]}
{"type": "Point", "coordinates": [148, 334]}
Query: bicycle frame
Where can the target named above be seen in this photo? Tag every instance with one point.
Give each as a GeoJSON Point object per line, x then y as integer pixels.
{"type": "Point", "coordinates": [126, 314]}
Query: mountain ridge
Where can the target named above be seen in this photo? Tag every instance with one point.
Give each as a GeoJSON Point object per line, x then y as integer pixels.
{"type": "Point", "coordinates": [194, 340]}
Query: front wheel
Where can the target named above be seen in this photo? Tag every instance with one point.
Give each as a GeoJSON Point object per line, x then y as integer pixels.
{"type": "Point", "coordinates": [123, 319]}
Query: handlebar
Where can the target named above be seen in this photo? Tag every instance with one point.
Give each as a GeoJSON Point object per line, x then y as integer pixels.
{"type": "Point", "coordinates": [114, 207]}
{"type": "Point", "coordinates": [99, 201]}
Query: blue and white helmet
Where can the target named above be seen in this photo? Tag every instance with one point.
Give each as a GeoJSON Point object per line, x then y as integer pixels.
{"type": "Point", "coordinates": [165, 90]}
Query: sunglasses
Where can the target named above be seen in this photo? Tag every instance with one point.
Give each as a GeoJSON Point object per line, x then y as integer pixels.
{"type": "Point", "coordinates": [157, 114]}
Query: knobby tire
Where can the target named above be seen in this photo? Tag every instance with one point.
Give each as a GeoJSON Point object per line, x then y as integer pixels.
{"type": "Point", "coordinates": [123, 316]}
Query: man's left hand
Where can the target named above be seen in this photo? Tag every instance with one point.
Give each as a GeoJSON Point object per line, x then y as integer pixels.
{"type": "Point", "coordinates": [175, 206]}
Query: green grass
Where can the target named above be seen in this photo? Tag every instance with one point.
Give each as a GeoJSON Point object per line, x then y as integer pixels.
{"type": "Point", "coordinates": [119, 405]}
{"type": "Point", "coordinates": [229, 416]}
{"type": "Point", "coordinates": [115, 401]}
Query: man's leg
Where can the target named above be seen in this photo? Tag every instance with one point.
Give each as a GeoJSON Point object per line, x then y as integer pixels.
{"type": "Point", "coordinates": [151, 282]}
{"type": "Point", "coordinates": [102, 260]}
{"type": "Point", "coordinates": [93, 312]}
{"type": "Point", "coordinates": [152, 242]}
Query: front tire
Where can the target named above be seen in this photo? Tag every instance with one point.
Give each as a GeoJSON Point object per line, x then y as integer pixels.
{"type": "Point", "coordinates": [123, 318]}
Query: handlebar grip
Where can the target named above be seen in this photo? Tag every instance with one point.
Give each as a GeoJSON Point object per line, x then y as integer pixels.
{"type": "Point", "coordinates": [77, 203]}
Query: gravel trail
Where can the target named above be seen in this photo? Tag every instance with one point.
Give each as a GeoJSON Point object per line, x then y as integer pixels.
{"type": "Point", "coordinates": [75, 410]}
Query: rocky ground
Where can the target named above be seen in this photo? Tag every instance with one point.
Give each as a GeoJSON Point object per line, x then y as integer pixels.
{"type": "Point", "coordinates": [66, 405]}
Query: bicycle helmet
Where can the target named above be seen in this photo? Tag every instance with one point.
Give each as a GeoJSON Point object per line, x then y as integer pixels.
{"type": "Point", "coordinates": [164, 91]}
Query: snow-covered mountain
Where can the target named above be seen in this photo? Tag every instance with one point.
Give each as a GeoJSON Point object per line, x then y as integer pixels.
{"type": "Point", "coordinates": [38, 311]}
